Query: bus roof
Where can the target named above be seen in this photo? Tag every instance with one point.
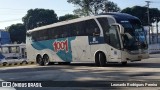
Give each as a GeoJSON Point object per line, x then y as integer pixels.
{"type": "Point", "coordinates": [121, 15]}
{"type": "Point", "coordinates": [66, 22]}
{"type": "Point", "coordinates": [112, 15]}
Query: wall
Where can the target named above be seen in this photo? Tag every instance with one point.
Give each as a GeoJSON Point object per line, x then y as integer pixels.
{"type": "Point", "coordinates": [4, 37]}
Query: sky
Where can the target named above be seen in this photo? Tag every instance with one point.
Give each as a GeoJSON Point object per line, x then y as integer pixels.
{"type": "Point", "coordinates": [12, 11]}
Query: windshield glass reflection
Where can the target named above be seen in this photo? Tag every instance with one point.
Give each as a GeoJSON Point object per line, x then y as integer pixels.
{"type": "Point", "coordinates": [134, 28]}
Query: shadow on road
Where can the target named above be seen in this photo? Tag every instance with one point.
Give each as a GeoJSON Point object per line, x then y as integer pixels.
{"type": "Point", "coordinates": [142, 65]}
{"type": "Point", "coordinates": [75, 65]}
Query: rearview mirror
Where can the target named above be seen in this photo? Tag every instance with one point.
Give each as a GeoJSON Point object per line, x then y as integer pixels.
{"type": "Point", "coordinates": [128, 35]}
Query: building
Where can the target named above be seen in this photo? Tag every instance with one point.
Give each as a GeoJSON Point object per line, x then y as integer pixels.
{"type": "Point", "coordinates": [4, 37]}
{"type": "Point", "coordinates": [153, 36]}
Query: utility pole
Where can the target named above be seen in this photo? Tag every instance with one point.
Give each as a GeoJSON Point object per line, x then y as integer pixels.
{"type": "Point", "coordinates": [157, 28]}
{"type": "Point", "coordinates": [148, 4]}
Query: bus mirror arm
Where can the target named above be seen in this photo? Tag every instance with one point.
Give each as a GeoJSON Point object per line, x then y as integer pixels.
{"type": "Point", "coordinates": [121, 28]}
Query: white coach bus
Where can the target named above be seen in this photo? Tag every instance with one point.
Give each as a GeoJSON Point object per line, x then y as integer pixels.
{"type": "Point", "coordinates": [110, 37]}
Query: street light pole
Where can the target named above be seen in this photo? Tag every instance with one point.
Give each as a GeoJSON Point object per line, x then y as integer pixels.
{"type": "Point", "coordinates": [148, 3]}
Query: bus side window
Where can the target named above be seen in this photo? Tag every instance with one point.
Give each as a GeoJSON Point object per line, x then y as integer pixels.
{"type": "Point", "coordinates": [113, 37]}
{"type": "Point", "coordinates": [56, 33]}
{"type": "Point", "coordinates": [64, 34]}
{"type": "Point", "coordinates": [113, 40]}
{"type": "Point", "coordinates": [76, 29]}
{"type": "Point", "coordinates": [79, 29]}
{"type": "Point", "coordinates": [92, 28]}
{"type": "Point", "coordinates": [104, 22]}
{"type": "Point", "coordinates": [63, 31]}
{"type": "Point", "coordinates": [96, 32]}
{"type": "Point", "coordinates": [33, 36]}
{"type": "Point", "coordinates": [77, 33]}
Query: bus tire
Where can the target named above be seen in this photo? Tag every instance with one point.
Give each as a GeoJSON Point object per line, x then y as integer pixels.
{"type": "Point", "coordinates": [24, 62]}
{"type": "Point", "coordinates": [97, 61]}
{"type": "Point", "coordinates": [39, 60]}
{"type": "Point", "coordinates": [124, 63]}
{"type": "Point", "coordinates": [46, 60]}
{"type": "Point", "coordinates": [4, 63]}
{"type": "Point", "coordinates": [100, 59]}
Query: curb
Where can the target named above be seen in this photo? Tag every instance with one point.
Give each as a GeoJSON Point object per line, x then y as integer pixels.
{"type": "Point", "coordinates": [31, 63]}
{"type": "Point", "coordinates": [154, 49]}
{"type": "Point", "coordinates": [1, 65]}
{"type": "Point", "coordinates": [17, 64]}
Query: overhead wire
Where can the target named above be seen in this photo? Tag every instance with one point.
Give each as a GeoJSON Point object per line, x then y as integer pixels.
{"type": "Point", "coordinates": [11, 20]}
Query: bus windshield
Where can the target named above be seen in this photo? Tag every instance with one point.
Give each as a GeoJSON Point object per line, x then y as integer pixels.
{"type": "Point", "coordinates": [135, 29]}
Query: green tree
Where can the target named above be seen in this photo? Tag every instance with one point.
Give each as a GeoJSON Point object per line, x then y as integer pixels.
{"type": "Point", "coordinates": [39, 17]}
{"type": "Point", "coordinates": [17, 33]}
{"type": "Point", "coordinates": [92, 7]}
{"type": "Point", "coordinates": [67, 17]}
{"type": "Point", "coordinates": [141, 13]}
{"type": "Point", "coordinates": [111, 7]}
{"type": "Point", "coordinates": [155, 15]}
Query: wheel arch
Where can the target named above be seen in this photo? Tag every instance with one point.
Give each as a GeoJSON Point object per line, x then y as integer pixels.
{"type": "Point", "coordinates": [38, 55]}
{"type": "Point", "coordinates": [45, 54]}
{"type": "Point", "coordinates": [99, 51]}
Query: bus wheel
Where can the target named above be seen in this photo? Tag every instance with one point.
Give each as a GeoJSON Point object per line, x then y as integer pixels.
{"type": "Point", "coordinates": [100, 60]}
{"type": "Point", "coordinates": [24, 62]}
{"type": "Point", "coordinates": [124, 63]}
{"type": "Point", "coordinates": [46, 60]}
{"type": "Point", "coordinates": [5, 63]}
{"type": "Point", "coordinates": [40, 60]}
{"type": "Point", "coordinates": [97, 60]}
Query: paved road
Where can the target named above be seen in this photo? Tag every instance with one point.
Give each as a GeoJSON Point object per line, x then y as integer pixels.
{"type": "Point", "coordinates": [148, 69]}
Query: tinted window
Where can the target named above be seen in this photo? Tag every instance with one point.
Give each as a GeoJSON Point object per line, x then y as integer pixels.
{"type": "Point", "coordinates": [83, 28]}
{"type": "Point", "coordinates": [40, 35]}
{"type": "Point", "coordinates": [113, 37]}
{"type": "Point", "coordinates": [92, 28]}
{"type": "Point", "coordinates": [77, 29]}
{"type": "Point", "coordinates": [105, 26]}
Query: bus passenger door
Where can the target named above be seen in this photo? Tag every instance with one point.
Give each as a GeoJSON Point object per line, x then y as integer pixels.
{"type": "Point", "coordinates": [114, 44]}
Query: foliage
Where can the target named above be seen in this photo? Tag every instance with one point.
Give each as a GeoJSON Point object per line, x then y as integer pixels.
{"type": "Point", "coordinates": [67, 17]}
{"type": "Point", "coordinates": [17, 33]}
{"type": "Point", "coordinates": [111, 7]}
{"type": "Point", "coordinates": [39, 17]}
{"type": "Point", "coordinates": [155, 14]}
{"type": "Point", "coordinates": [141, 13]}
{"type": "Point", "coordinates": [93, 7]}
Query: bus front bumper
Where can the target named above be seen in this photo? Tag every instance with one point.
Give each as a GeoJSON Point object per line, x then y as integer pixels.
{"type": "Point", "coordinates": [137, 57]}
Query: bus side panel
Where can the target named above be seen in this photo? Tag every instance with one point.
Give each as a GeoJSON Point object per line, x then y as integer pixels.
{"type": "Point", "coordinates": [30, 50]}
{"type": "Point", "coordinates": [62, 48]}
{"type": "Point", "coordinates": [58, 50]}
{"type": "Point", "coordinates": [81, 49]}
